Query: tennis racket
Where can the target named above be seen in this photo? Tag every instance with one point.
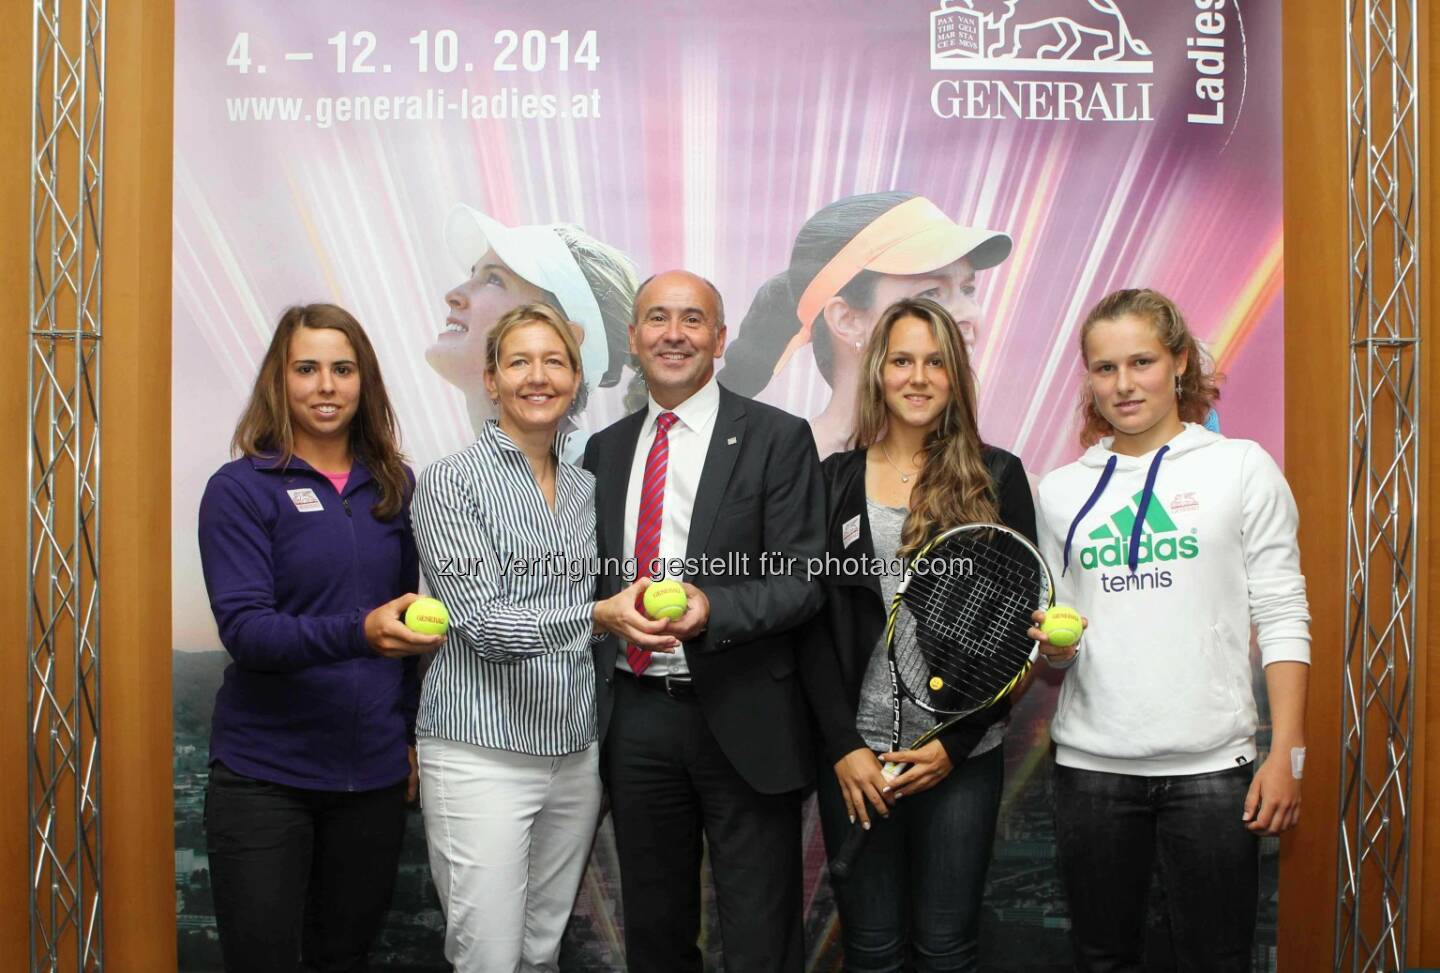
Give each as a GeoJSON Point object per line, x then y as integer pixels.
{"type": "Point", "coordinates": [956, 635]}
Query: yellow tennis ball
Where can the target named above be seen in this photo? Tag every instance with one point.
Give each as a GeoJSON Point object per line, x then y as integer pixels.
{"type": "Point", "coordinates": [665, 599]}
{"type": "Point", "coordinates": [936, 683]}
{"type": "Point", "coordinates": [1062, 625]}
{"type": "Point", "coordinates": [427, 616]}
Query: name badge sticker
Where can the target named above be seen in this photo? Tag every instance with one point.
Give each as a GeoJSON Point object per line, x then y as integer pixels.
{"type": "Point", "coordinates": [850, 532]}
{"type": "Point", "coordinates": [305, 501]}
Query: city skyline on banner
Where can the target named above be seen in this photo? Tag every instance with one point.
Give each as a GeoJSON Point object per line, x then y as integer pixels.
{"type": "Point", "coordinates": [322, 153]}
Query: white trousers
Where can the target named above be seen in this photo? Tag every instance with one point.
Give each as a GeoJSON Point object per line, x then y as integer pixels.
{"type": "Point", "coordinates": [509, 835]}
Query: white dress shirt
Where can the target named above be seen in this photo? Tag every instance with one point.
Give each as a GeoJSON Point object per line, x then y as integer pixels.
{"type": "Point", "coordinates": [689, 442]}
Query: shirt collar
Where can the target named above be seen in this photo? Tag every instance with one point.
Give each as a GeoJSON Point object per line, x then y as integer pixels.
{"type": "Point", "coordinates": [268, 462]}
{"type": "Point", "coordinates": [497, 436]}
{"type": "Point", "coordinates": [695, 413]}
{"type": "Point", "coordinates": [275, 463]}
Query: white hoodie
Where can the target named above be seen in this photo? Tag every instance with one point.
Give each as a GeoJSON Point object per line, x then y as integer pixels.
{"type": "Point", "coordinates": [1162, 681]}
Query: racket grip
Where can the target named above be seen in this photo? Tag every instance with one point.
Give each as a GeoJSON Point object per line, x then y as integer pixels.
{"type": "Point", "coordinates": [844, 859]}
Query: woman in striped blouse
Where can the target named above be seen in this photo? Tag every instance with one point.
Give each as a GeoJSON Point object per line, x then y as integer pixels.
{"type": "Point", "coordinates": [508, 762]}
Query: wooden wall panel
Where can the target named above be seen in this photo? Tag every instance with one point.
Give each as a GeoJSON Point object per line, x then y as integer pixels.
{"type": "Point", "coordinates": [1425, 872]}
{"type": "Point", "coordinates": [138, 867]}
{"type": "Point", "coordinates": [14, 307]}
{"type": "Point", "coordinates": [1316, 409]}
{"type": "Point", "coordinates": [135, 542]}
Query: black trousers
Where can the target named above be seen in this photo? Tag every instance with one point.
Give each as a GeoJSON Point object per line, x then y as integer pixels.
{"type": "Point", "coordinates": [914, 895]}
{"type": "Point", "coordinates": [672, 790]}
{"type": "Point", "coordinates": [1111, 833]}
{"type": "Point", "coordinates": [302, 879]}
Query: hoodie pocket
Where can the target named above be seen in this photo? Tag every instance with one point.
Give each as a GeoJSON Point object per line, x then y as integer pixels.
{"type": "Point", "coordinates": [1222, 666]}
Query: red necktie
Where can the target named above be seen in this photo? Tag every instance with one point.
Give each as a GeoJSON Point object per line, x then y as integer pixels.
{"type": "Point", "coordinates": [647, 528]}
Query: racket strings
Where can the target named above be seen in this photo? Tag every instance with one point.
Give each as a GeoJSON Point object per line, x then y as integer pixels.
{"type": "Point", "coordinates": [943, 674]}
{"type": "Point", "coordinates": [960, 632]}
{"type": "Point", "coordinates": [973, 615]}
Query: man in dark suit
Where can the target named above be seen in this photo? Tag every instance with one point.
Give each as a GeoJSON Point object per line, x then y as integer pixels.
{"type": "Point", "coordinates": [710, 739]}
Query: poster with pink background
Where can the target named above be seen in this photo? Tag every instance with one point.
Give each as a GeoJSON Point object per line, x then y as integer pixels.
{"type": "Point", "coordinates": [321, 148]}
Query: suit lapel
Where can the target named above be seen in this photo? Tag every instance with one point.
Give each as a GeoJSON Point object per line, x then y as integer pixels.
{"type": "Point", "coordinates": [849, 504]}
{"type": "Point", "coordinates": [726, 441]}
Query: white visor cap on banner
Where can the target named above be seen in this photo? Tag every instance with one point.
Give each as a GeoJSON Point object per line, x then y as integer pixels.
{"type": "Point", "coordinates": [537, 254]}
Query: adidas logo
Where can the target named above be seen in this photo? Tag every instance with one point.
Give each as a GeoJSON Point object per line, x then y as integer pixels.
{"type": "Point", "coordinates": [1160, 540]}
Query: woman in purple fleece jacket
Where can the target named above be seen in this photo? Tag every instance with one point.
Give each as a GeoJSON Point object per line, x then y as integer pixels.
{"type": "Point", "coordinates": [308, 558]}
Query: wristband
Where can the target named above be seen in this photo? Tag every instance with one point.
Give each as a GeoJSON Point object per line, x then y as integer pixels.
{"type": "Point", "coordinates": [1297, 762]}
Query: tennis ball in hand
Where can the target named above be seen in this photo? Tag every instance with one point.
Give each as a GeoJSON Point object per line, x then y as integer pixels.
{"type": "Point", "coordinates": [1062, 625]}
{"type": "Point", "coordinates": [427, 617]}
{"type": "Point", "coordinates": [665, 599]}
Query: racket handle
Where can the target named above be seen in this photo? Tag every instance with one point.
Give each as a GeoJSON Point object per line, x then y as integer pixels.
{"type": "Point", "coordinates": [844, 859]}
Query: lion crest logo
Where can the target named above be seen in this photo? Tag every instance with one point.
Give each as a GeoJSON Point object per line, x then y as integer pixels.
{"type": "Point", "coordinates": [1064, 35]}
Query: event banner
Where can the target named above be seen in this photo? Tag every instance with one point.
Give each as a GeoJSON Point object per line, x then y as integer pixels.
{"type": "Point", "coordinates": [370, 154]}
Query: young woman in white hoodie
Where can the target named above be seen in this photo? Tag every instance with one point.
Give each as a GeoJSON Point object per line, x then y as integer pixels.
{"type": "Point", "coordinates": [1172, 541]}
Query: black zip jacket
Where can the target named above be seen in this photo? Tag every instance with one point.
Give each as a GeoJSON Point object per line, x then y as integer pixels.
{"type": "Point", "coordinates": [839, 642]}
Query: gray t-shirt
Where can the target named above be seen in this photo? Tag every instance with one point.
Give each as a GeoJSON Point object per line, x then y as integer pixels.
{"type": "Point", "coordinates": [875, 718]}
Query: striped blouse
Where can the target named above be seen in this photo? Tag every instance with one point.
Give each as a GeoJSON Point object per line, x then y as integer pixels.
{"type": "Point", "coordinates": [515, 670]}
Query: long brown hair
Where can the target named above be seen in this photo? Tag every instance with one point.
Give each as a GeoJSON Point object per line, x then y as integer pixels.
{"type": "Point", "coordinates": [954, 486]}
{"type": "Point", "coordinates": [264, 428]}
{"type": "Point", "coordinates": [1198, 388]}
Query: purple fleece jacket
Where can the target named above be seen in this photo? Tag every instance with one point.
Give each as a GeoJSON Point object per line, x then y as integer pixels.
{"type": "Point", "coordinates": [292, 569]}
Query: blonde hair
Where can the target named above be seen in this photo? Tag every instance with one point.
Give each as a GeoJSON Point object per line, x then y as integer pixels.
{"type": "Point", "coordinates": [954, 486]}
{"type": "Point", "coordinates": [1198, 388]}
{"type": "Point", "coordinates": [537, 313]}
{"type": "Point", "coordinates": [264, 428]}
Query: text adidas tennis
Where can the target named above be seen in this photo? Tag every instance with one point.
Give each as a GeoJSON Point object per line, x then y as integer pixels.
{"type": "Point", "coordinates": [1163, 547]}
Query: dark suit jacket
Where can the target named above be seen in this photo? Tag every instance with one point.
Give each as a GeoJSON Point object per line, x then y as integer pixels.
{"type": "Point", "coordinates": [760, 491]}
{"type": "Point", "coordinates": [838, 645]}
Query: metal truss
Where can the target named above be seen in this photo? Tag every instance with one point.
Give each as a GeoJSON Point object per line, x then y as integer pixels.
{"type": "Point", "coordinates": [1377, 721]}
{"type": "Point", "coordinates": [63, 499]}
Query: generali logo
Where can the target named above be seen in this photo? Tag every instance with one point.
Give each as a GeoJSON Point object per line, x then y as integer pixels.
{"type": "Point", "coordinates": [1083, 60]}
{"type": "Point", "coordinates": [1071, 36]}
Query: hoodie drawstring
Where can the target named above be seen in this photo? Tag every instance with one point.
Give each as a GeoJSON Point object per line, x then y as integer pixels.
{"type": "Point", "coordinates": [1094, 498]}
{"type": "Point", "coordinates": [1145, 497]}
